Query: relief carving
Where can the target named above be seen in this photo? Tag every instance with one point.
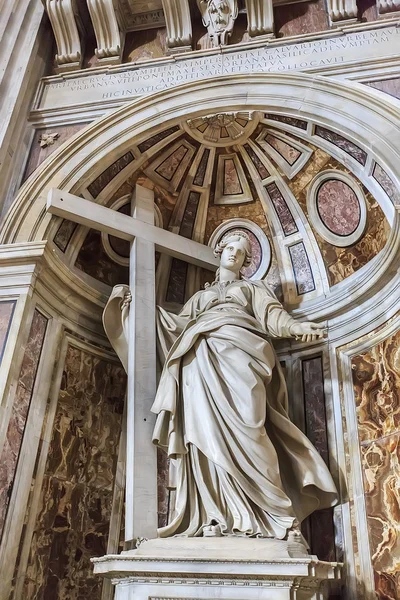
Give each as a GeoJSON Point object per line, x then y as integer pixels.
{"type": "Point", "coordinates": [219, 17]}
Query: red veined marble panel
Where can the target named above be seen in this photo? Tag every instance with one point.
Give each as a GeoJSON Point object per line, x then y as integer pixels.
{"type": "Point", "coordinates": [321, 534]}
{"type": "Point", "coordinates": [343, 143]}
{"type": "Point", "coordinates": [287, 151]}
{"type": "Point", "coordinates": [386, 183]}
{"type": "Point", "coordinates": [388, 86]}
{"type": "Point", "coordinates": [293, 121]}
{"type": "Point", "coordinates": [302, 269]}
{"type": "Point", "coordinates": [232, 184]}
{"type": "Point", "coordinates": [338, 207]}
{"type": "Point", "coordinates": [201, 169]}
{"type": "Point", "coordinates": [261, 169]}
{"type": "Point", "coordinates": [158, 137]}
{"type": "Point", "coordinates": [177, 281]}
{"type": "Point", "coordinates": [108, 174]}
{"type": "Point", "coordinates": [170, 165]}
{"type": "Point", "coordinates": [64, 234]}
{"type": "Point", "coordinates": [19, 414]}
{"type": "Point", "coordinates": [282, 210]}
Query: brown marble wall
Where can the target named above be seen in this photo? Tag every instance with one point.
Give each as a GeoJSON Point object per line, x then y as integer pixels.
{"type": "Point", "coordinates": [377, 395]}
{"type": "Point", "coordinates": [20, 410]}
{"type": "Point", "coordinates": [6, 315]}
{"type": "Point", "coordinates": [38, 154]}
{"type": "Point", "coordinates": [75, 506]}
{"type": "Point", "coordinates": [342, 262]}
{"type": "Point", "coordinates": [297, 19]}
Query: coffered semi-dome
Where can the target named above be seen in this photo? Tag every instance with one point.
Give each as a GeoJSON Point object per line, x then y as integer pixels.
{"type": "Point", "coordinates": [292, 184]}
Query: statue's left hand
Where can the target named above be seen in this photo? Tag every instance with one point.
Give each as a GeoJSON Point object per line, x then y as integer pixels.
{"type": "Point", "coordinates": [308, 331]}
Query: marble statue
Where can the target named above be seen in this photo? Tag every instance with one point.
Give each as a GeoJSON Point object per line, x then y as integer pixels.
{"type": "Point", "coordinates": [241, 466]}
{"type": "Point", "coordinates": [219, 17]}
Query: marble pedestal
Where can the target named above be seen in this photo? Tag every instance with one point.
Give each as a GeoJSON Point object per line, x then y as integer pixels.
{"type": "Point", "coordinates": [223, 568]}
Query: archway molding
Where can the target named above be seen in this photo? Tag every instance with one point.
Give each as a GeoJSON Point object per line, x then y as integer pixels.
{"type": "Point", "coordinates": [358, 113]}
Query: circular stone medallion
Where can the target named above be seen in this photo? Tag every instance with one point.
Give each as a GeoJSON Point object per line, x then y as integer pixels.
{"type": "Point", "coordinates": [338, 207]}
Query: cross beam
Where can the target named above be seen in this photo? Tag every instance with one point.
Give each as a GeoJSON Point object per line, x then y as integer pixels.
{"type": "Point", "coordinates": [85, 212]}
{"type": "Point", "coordinates": [145, 238]}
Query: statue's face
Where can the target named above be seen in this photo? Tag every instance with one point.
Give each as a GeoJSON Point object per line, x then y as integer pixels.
{"type": "Point", "coordinates": [233, 255]}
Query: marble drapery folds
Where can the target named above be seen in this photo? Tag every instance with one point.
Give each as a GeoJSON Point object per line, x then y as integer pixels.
{"type": "Point", "coordinates": [222, 415]}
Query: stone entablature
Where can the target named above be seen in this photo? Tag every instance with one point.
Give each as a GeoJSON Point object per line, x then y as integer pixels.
{"type": "Point", "coordinates": [354, 53]}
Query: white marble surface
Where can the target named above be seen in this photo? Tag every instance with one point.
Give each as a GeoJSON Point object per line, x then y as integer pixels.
{"type": "Point", "coordinates": [125, 83]}
{"type": "Point", "coordinates": [242, 571]}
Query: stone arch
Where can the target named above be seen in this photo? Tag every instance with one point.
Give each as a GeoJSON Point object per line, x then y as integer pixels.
{"type": "Point", "coordinates": [362, 116]}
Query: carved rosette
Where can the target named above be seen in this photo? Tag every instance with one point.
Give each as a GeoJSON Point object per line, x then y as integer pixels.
{"type": "Point", "coordinates": [223, 129]}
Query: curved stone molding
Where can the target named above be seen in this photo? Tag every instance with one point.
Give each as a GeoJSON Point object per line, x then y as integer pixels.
{"type": "Point", "coordinates": [179, 25]}
{"type": "Point", "coordinates": [340, 230]}
{"type": "Point", "coordinates": [108, 35]}
{"type": "Point", "coordinates": [219, 17]}
{"type": "Point", "coordinates": [260, 245]}
{"type": "Point", "coordinates": [64, 19]}
{"type": "Point", "coordinates": [260, 18]}
{"type": "Point", "coordinates": [71, 168]}
{"type": "Point", "coordinates": [342, 10]}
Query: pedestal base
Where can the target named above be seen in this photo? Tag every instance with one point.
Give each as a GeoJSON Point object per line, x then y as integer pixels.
{"type": "Point", "coordinates": [224, 568]}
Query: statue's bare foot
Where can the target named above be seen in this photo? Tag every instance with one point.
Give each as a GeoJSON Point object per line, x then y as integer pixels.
{"type": "Point", "coordinates": [212, 531]}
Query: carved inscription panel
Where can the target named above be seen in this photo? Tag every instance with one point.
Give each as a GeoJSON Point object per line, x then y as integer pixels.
{"type": "Point", "coordinates": [128, 82]}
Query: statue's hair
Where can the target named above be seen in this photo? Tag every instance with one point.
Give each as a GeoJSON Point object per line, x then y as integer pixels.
{"type": "Point", "coordinates": [234, 236]}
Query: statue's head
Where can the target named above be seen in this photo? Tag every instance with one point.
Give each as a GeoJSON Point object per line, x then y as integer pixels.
{"type": "Point", "coordinates": [234, 251]}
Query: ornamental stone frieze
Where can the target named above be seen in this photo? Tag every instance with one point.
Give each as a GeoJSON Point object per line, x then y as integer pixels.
{"type": "Point", "coordinates": [219, 17]}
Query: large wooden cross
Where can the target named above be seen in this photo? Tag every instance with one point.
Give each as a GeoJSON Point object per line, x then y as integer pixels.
{"type": "Point", "coordinates": [145, 238]}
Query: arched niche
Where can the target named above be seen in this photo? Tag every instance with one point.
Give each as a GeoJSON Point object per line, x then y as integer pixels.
{"type": "Point", "coordinates": [361, 117]}
{"type": "Point", "coordinates": [357, 311]}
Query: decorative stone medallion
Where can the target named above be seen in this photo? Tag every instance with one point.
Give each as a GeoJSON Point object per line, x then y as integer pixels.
{"type": "Point", "coordinates": [337, 208]}
{"type": "Point", "coordinates": [261, 250]}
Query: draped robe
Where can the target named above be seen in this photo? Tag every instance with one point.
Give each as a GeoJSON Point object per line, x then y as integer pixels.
{"type": "Point", "coordinates": [221, 408]}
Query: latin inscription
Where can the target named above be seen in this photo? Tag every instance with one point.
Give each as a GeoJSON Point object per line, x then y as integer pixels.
{"type": "Point", "coordinates": [135, 81]}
